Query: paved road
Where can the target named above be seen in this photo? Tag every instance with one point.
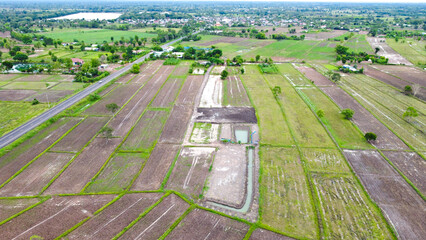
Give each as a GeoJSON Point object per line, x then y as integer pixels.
{"type": "Point", "coordinates": [31, 124]}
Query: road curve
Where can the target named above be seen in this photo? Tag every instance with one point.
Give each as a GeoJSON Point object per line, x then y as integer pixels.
{"type": "Point", "coordinates": [36, 121]}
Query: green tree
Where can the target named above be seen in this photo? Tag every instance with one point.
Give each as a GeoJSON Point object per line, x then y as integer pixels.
{"type": "Point", "coordinates": [370, 136]}
{"type": "Point", "coordinates": [107, 132]}
{"type": "Point", "coordinates": [320, 113]}
{"type": "Point", "coordinates": [242, 70]}
{"type": "Point", "coordinates": [410, 113]}
{"type": "Point", "coordinates": [93, 97]}
{"type": "Point", "coordinates": [347, 113]}
{"type": "Point", "coordinates": [224, 74]}
{"type": "Point", "coordinates": [257, 58]}
{"type": "Point", "coordinates": [20, 56]}
{"type": "Point", "coordinates": [35, 102]}
{"type": "Point", "coordinates": [335, 77]}
{"type": "Point", "coordinates": [376, 50]}
{"type": "Point", "coordinates": [112, 107]}
{"type": "Point", "coordinates": [408, 90]}
{"type": "Point", "coordinates": [341, 50]}
{"type": "Point", "coordinates": [7, 65]}
{"type": "Point", "coordinates": [94, 62]}
{"type": "Point", "coordinates": [135, 69]}
{"type": "Point", "coordinates": [276, 91]}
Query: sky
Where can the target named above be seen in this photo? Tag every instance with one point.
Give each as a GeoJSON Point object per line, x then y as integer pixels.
{"type": "Point", "coordinates": [355, 1]}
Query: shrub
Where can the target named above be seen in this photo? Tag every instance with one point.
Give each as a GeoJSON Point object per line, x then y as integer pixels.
{"type": "Point", "coordinates": [410, 112]}
{"type": "Point", "coordinates": [320, 113]}
{"type": "Point", "coordinates": [35, 102]}
{"type": "Point", "coordinates": [348, 113]}
{"type": "Point", "coordinates": [370, 136]}
{"type": "Point", "coordinates": [276, 91]}
{"type": "Point", "coordinates": [94, 97]}
{"type": "Point", "coordinates": [171, 61]}
{"type": "Point", "coordinates": [135, 69]}
{"type": "Point", "coordinates": [408, 90]}
{"type": "Point", "coordinates": [224, 74]}
{"type": "Point", "coordinates": [112, 107]}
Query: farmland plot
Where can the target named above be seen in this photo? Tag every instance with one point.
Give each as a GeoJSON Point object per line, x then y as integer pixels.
{"type": "Point", "coordinates": [176, 125]}
{"type": "Point", "coordinates": [180, 71]}
{"type": "Point", "coordinates": [401, 205]}
{"type": "Point", "coordinates": [365, 120]}
{"type": "Point", "coordinates": [13, 161]}
{"type": "Point", "coordinates": [158, 220]}
{"type": "Point", "coordinates": [389, 111]}
{"type": "Point", "coordinates": [115, 217]}
{"type": "Point", "coordinates": [29, 85]}
{"type": "Point", "coordinates": [146, 131]}
{"type": "Point", "coordinates": [84, 166]}
{"type": "Point", "coordinates": [261, 234]}
{"type": "Point", "coordinates": [286, 204]}
{"type": "Point", "coordinates": [50, 96]}
{"type": "Point", "coordinates": [387, 52]}
{"type": "Point", "coordinates": [146, 74]}
{"type": "Point", "coordinates": [126, 78]}
{"type": "Point", "coordinates": [53, 217]}
{"type": "Point", "coordinates": [227, 115]}
{"type": "Point", "coordinates": [316, 77]}
{"type": "Point", "coordinates": [189, 90]}
{"type": "Point", "coordinates": [119, 96]}
{"type": "Point", "coordinates": [200, 224]}
{"type": "Point", "coordinates": [168, 93]}
{"type": "Point", "coordinates": [191, 170]}
{"type": "Point", "coordinates": [273, 128]}
{"type": "Point", "coordinates": [37, 175]}
{"type": "Point", "coordinates": [15, 95]}
{"type": "Point", "coordinates": [234, 93]}
{"type": "Point", "coordinates": [156, 168]}
{"type": "Point", "coordinates": [118, 173]}
{"type": "Point", "coordinates": [325, 160]}
{"type": "Point", "coordinates": [346, 210]}
{"type": "Point", "coordinates": [10, 207]}
{"type": "Point", "coordinates": [204, 133]}
{"type": "Point", "coordinates": [212, 93]}
{"type": "Point", "coordinates": [344, 132]}
{"type": "Point", "coordinates": [411, 165]}
{"type": "Point", "coordinates": [292, 75]}
{"type": "Point", "coordinates": [80, 135]}
{"type": "Point", "coordinates": [409, 74]}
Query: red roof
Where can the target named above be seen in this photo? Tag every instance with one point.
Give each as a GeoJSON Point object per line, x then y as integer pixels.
{"type": "Point", "coordinates": [74, 60]}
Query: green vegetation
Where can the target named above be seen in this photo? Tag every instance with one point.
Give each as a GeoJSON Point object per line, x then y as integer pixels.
{"type": "Point", "coordinates": [413, 50]}
{"type": "Point", "coordinates": [370, 136]}
{"type": "Point", "coordinates": [171, 61]}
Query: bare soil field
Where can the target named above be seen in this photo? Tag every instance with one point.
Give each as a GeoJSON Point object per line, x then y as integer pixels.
{"type": "Point", "coordinates": [50, 95]}
{"type": "Point", "coordinates": [365, 120]}
{"type": "Point", "coordinates": [261, 234]}
{"type": "Point", "coordinates": [224, 40]}
{"type": "Point", "coordinates": [53, 217]}
{"type": "Point", "coordinates": [84, 167]}
{"type": "Point", "coordinates": [191, 170]}
{"type": "Point", "coordinates": [126, 78]}
{"type": "Point", "coordinates": [15, 95]}
{"type": "Point", "coordinates": [235, 94]}
{"type": "Point", "coordinates": [189, 90]}
{"type": "Point", "coordinates": [168, 93]}
{"type": "Point", "coordinates": [27, 151]}
{"type": "Point", "coordinates": [386, 51]}
{"type": "Point", "coordinates": [10, 207]}
{"type": "Point", "coordinates": [5, 34]}
{"type": "Point", "coordinates": [227, 181]}
{"type": "Point", "coordinates": [200, 224]}
{"type": "Point", "coordinates": [411, 165]}
{"type": "Point", "coordinates": [37, 175]}
{"type": "Point", "coordinates": [34, 78]}
{"type": "Point", "coordinates": [156, 168]}
{"type": "Point", "coordinates": [176, 125]}
{"type": "Point", "coordinates": [212, 92]}
{"type": "Point", "coordinates": [80, 135]}
{"type": "Point", "coordinates": [393, 195]}
{"type": "Point", "coordinates": [394, 81]}
{"type": "Point", "coordinates": [156, 67]}
{"type": "Point", "coordinates": [227, 115]}
{"type": "Point", "coordinates": [119, 96]}
{"type": "Point", "coordinates": [128, 116]}
{"type": "Point", "coordinates": [118, 173]}
{"type": "Point", "coordinates": [180, 71]}
{"type": "Point", "coordinates": [158, 220]}
{"type": "Point", "coordinates": [316, 77]}
{"type": "Point", "coordinates": [7, 77]}
{"type": "Point", "coordinates": [115, 217]}
{"type": "Point", "coordinates": [108, 89]}
{"type": "Point", "coordinates": [410, 74]}
{"type": "Point", "coordinates": [146, 132]}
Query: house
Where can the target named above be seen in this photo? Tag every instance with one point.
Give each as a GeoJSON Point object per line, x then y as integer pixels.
{"type": "Point", "coordinates": [91, 49]}
{"type": "Point", "coordinates": [168, 49]}
{"type": "Point", "coordinates": [103, 66]}
{"type": "Point", "coordinates": [350, 68]}
{"type": "Point", "coordinates": [157, 53]}
{"type": "Point", "coordinates": [178, 54]}
{"type": "Point", "coordinates": [77, 61]}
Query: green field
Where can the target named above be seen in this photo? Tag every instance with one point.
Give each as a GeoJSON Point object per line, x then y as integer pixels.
{"type": "Point", "coordinates": [273, 128]}
{"type": "Point", "coordinates": [412, 50]}
{"type": "Point", "coordinates": [68, 86]}
{"type": "Point", "coordinates": [94, 35]}
{"type": "Point", "coordinates": [13, 114]}
{"type": "Point", "coordinates": [358, 43]}
{"type": "Point", "coordinates": [66, 53]}
{"type": "Point", "coordinates": [29, 85]}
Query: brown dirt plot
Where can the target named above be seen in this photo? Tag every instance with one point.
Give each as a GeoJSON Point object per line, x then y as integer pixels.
{"type": "Point", "coordinates": [236, 94]}
{"type": "Point", "coordinates": [6, 77]}
{"type": "Point", "coordinates": [261, 234]}
{"type": "Point", "coordinates": [15, 95]}
{"type": "Point", "coordinates": [146, 132]}
{"type": "Point", "coordinates": [27, 151]}
{"type": "Point", "coordinates": [147, 73]}
{"type": "Point", "coordinates": [410, 74]}
{"type": "Point", "coordinates": [80, 135]}
{"type": "Point", "coordinates": [32, 180]}
{"type": "Point", "coordinates": [119, 96]}
{"type": "Point", "coordinates": [53, 217]}
{"type": "Point", "coordinates": [200, 224]}
{"type": "Point", "coordinates": [176, 125]}
{"type": "Point", "coordinates": [10, 207]}
{"type": "Point", "coordinates": [158, 220]}
{"type": "Point", "coordinates": [167, 94]}
{"type": "Point", "coordinates": [84, 167]}
{"type": "Point", "coordinates": [180, 71]}
{"type": "Point", "coordinates": [365, 120]}
{"type": "Point", "coordinates": [191, 170]}
{"type": "Point", "coordinates": [50, 95]}
{"type": "Point", "coordinates": [394, 196]}
{"type": "Point", "coordinates": [33, 78]}
{"type": "Point", "coordinates": [316, 77]}
{"type": "Point", "coordinates": [227, 115]}
{"type": "Point", "coordinates": [126, 78]}
{"type": "Point", "coordinates": [115, 217]}
{"type": "Point", "coordinates": [156, 168]}
{"type": "Point", "coordinates": [189, 91]}
{"type": "Point", "coordinates": [411, 165]}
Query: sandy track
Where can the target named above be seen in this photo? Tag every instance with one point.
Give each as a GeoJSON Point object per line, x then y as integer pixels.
{"type": "Point", "coordinates": [114, 218]}
{"type": "Point", "coordinates": [12, 162]}
{"type": "Point", "coordinates": [386, 51]}
{"type": "Point", "coordinates": [84, 167]}
{"type": "Point", "coordinates": [212, 93]}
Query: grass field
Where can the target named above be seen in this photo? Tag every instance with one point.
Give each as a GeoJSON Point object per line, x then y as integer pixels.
{"type": "Point", "coordinates": [68, 86]}
{"type": "Point", "coordinates": [30, 85]}
{"type": "Point", "coordinates": [22, 112]}
{"type": "Point", "coordinates": [412, 50]}
{"type": "Point", "coordinates": [273, 128]}
{"type": "Point", "coordinates": [389, 106]}
{"type": "Point", "coordinates": [94, 35]}
{"type": "Point", "coordinates": [298, 50]}
{"type": "Point", "coordinates": [358, 43]}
